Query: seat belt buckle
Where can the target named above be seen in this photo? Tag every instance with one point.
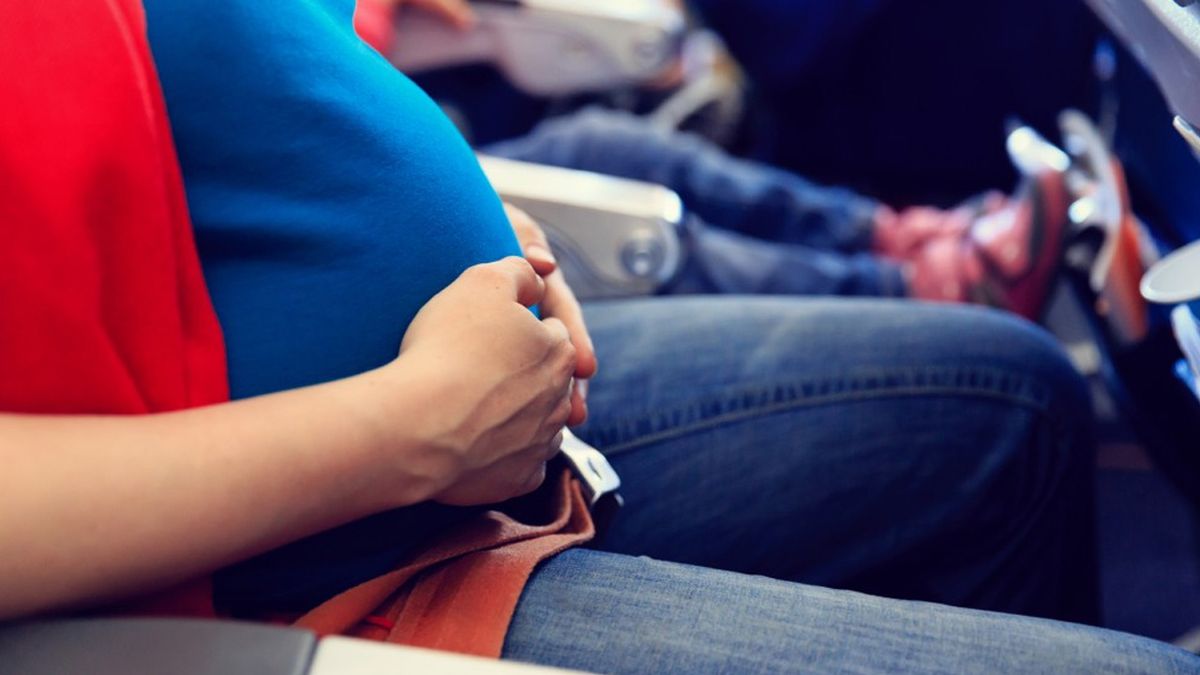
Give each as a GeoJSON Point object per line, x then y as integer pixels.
{"type": "Point", "coordinates": [598, 479]}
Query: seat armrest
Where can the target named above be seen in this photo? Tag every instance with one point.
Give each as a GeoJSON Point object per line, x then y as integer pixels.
{"type": "Point", "coordinates": [346, 656]}
{"type": "Point", "coordinates": [203, 647]}
{"type": "Point", "coordinates": [549, 47]}
{"type": "Point", "coordinates": [177, 646]}
{"type": "Point", "coordinates": [613, 237]}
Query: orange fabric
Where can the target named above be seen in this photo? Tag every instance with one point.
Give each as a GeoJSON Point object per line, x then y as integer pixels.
{"type": "Point", "coordinates": [1120, 297]}
{"type": "Point", "coordinates": [460, 594]}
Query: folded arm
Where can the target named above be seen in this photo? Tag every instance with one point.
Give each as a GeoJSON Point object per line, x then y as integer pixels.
{"type": "Point", "coordinates": [96, 508]}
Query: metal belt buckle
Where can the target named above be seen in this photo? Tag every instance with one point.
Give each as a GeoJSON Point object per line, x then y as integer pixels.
{"type": "Point", "coordinates": [598, 479]}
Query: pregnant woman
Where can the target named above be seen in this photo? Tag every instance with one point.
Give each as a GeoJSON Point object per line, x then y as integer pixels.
{"type": "Point", "coordinates": [910, 451]}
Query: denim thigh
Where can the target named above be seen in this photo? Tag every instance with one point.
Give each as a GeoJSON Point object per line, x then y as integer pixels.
{"type": "Point", "coordinates": [609, 613]}
{"type": "Point", "coordinates": [917, 451]}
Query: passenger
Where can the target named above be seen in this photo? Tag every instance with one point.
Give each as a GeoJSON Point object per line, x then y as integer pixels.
{"type": "Point", "coordinates": [843, 441]}
{"type": "Point", "coordinates": [758, 229]}
{"type": "Point", "coordinates": [303, 167]}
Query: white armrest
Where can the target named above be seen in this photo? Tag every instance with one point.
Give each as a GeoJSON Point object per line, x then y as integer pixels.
{"type": "Point", "coordinates": [550, 47]}
{"type": "Point", "coordinates": [613, 237]}
{"type": "Point", "coordinates": [346, 656]}
{"type": "Point", "coordinates": [121, 646]}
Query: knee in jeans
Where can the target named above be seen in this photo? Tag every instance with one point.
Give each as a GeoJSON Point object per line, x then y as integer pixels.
{"type": "Point", "coordinates": [1043, 358]}
{"type": "Point", "coordinates": [1034, 356]}
{"type": "Point", "coordinates": [1025, 365]}
{"type": "Point", "coordinates": [1007, 343]}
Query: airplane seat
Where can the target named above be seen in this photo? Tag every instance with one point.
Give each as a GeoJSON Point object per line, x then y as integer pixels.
{"type": "Point", "coordinates": [525, 60]}
{"type": "Point", "coordinates": [200, 647]}
{"type": "Point", "coordinates": [1165, 36]}
{"type": "Point", "coordinates": [1140, 99]}
{"type": "Point", "coordinates": [1153, 370]}
{"type": "Point", "coordinates": [613, 237]}
{"type": "Point", "coordinates": [549, 47]}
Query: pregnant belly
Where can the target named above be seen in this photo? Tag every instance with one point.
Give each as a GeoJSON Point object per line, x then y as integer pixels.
{"type": "Point", "coordinates": [300, 307]}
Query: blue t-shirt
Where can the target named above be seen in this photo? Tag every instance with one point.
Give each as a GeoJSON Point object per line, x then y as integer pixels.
{"type": "Point", "coordinates": [331, 199]}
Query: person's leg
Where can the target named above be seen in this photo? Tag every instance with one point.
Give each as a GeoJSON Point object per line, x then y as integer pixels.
{"type": "Point", "coordinates": [608, 613]}
{"type": "Point", "coordinates": [752, 228]}
{"type": "Point", "coordinates": [927, 452]}
{"type": "Point", "coordinates": [724, 262]}
{"type": "Point", "coordinates": [992, 250]}
{"type": "Point", "coordinates": [726, 192]}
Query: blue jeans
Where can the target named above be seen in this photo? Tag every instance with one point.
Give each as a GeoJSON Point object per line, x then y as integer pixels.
{"type": "Point", "coordinates": [608, 613]}
{"type": "Point", "coordinates": [920, 452]}
{"type": "Point", "coordinates": [754, 228]}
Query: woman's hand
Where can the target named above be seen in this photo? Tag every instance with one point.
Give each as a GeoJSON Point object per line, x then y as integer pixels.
{"type": "Point", "coordinates": [559, 303]}
{"type": "Point", "coordinates": [497, 382]}
{"type": "Point", "coordinates": [469, 413]}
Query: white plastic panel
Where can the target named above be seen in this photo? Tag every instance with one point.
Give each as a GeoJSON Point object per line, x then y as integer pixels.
{"type": "Point", "coordinates": [346, 656]}
{"type": "Point", "coordinates": [1175, 278]}
{"type": "Point", "coordinates": [1166, 39]}
{"type": "Point", "coordinates": [613, 237]}
{"type": "Point", "coordinates": [550, 47]}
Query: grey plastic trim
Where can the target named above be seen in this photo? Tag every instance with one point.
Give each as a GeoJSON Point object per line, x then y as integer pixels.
{"type": "Point", "coordinates": [166, 646]}
{"type": "Point", "coordinates": [1165, 37]}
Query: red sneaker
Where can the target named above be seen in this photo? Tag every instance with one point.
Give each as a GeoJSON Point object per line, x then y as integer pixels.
{"type": "Point", "coordinates": [901, 236]}
{"type": "Point", "coordinates": [1006, 257]}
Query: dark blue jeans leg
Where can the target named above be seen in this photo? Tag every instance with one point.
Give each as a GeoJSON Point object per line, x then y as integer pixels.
{"type": "Point", "coordinates": [609, 613]}
{"type": "Point", "coordinates": [725, 262]}
{"type": "Point", "coordinates": [915, 451]}
{"type": "Point", "coordinates": [753, 228]}
{"type": "Point", "coordinates": [724, 191]}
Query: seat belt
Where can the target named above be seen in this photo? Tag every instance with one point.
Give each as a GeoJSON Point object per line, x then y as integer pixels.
{"type": "Point", "coordinates": [597, 479]}
{"type": "Point", "coordinates": [460, 593]}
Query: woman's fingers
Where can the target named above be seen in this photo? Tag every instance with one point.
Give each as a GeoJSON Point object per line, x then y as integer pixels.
{"type": "Point", "coordinates": [579, 409]}
{"type": "Point", "coordinates": [560, 303]}
{"type": "Point", "coordinates": [533, 240]}
{"type": "Point", "coordinates": [512, 276]}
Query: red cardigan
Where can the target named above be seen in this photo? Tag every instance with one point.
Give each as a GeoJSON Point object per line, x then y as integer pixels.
{"type": "Point", "coordinates": [103, 307]}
